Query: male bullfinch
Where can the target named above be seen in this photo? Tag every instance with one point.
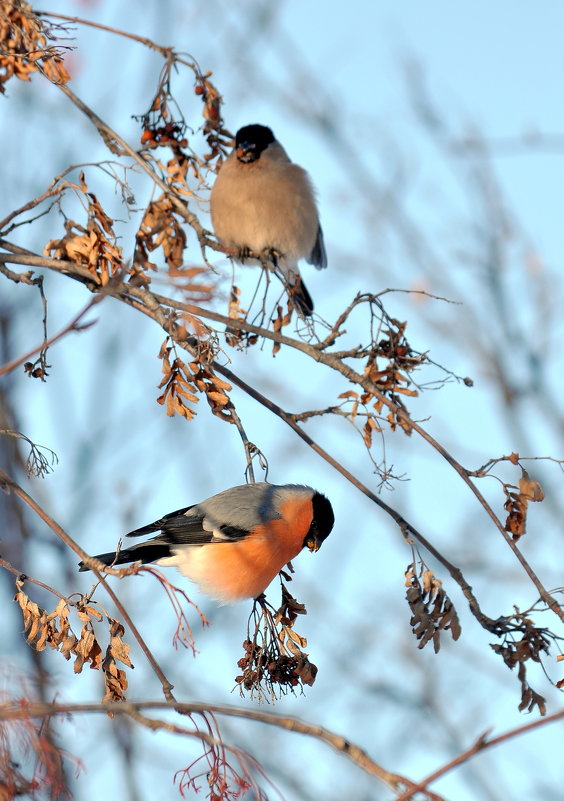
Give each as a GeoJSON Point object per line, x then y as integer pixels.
{"type": "Point", "coordinates": [261, 202]}
{"type": "Point", "coordinates": [233, 544]}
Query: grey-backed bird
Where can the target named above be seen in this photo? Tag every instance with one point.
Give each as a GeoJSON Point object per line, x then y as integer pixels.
{"type": "Point", "coordinates": [233, 544]}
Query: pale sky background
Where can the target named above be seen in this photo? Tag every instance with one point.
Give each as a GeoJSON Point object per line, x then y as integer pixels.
{"type": "Point", "coordinates": [496, 68]}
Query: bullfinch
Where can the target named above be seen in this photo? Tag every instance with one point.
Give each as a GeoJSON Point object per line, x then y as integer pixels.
{"type": "Point", "coordinates": [233, 544]}
{"type": "Point", "coordinates": [263, 203]}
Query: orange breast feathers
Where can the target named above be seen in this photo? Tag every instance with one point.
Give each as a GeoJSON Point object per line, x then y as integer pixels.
{"type": "Point", "coordinates": [236, 570]}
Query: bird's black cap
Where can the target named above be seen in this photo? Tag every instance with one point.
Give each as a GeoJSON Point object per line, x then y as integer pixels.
{"type": "Point", "coordinates": [321, 524]}
{"type": "Point", "coordinates": [251, 141]}
{"type": "Point", "coordinates": [258, 135]}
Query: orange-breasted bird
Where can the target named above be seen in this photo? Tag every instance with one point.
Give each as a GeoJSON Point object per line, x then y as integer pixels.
{"type": "Point", "coordinates": [233, 544]}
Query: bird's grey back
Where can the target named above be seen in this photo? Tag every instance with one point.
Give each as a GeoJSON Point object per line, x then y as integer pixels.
{"type": "Point", "coordinates": [247, 505]}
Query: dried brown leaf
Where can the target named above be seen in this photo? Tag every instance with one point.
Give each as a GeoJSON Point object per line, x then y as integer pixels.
{"type": "Point", "coordinates": [114, 678]}
{"type": "Point", "coordinates": [87, 650]}
{"type": "Point", "coordinates": [293, 635]}
{"type": "Point", "coordinates": [117, 648]}
{"type": "Point", "coordinates": [292, 647]}
{"type": "Point", "coordinates": [85, 613]}
{"type": "Point", "coordinates": [218, 398]}
{"type": "Point", "coordinates": [530, 489]}
{"type": "Point", "coordinates": [220, 384]}
{"type": "Point", "coordinates": [187, 394]}
{"type": "Point", "coordinates": [307, 671]}
{"type": "Point", "coordinates": [171, 405]}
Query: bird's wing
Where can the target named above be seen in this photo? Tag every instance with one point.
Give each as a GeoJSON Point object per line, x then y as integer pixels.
{"type": "Point", "coordinates": [158, 525]}
{"type": "Point", "coordinates": [200, 530]}
{"type": "Point", "coordinates": [226, 517]}
{"type": "Point", "coordinates": [179, 528]}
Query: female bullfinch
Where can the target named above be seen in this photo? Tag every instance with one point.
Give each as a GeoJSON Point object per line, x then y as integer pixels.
{"type": "Point", "coordinates": [233, 544]}
{"type": "Point", "coordinates": [263, 203]}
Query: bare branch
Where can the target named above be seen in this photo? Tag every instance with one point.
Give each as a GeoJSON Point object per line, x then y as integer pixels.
{"type": "Point", "coordinates": [356, 754]}
{"type": "Point", "coordinates": [72, 326]}
{"type": "Point", "coordinates": [481, 744]}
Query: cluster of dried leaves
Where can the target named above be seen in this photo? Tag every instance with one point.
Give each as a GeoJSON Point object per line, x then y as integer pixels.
{"type": "Point", "coordinates": [23, 46]}
{"type": "Point", "coordinates": [517, 502]}
{"type": "Point", "coordinates": [274, 661]}
{"type": "Point", "coordinates": [523, 641]}
{"type": "Point", "coordinates": [93, 247]}
{"type": "Point", "coordinates": [282, 319]}
{"type": "Point", "coordinates": [393, 377]}
{"type": "Point", "coordinates": [162, 227]}
{"type": "Point", "coordinates": [53, 629]}
{"type": "Point", "coordinates": [431, 608]}
{"type": "Point", "coordinates": [389, 363]}
{"type": "Point", "coordinates": [182, 382]}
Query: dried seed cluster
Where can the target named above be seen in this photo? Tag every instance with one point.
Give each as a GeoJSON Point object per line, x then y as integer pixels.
{"type": "Point", "coordinates": [23, 46]}
{"type": "Point", "coordinates": [273, 658]}
{"type": "Point", "coordinates": [431, 608]}
{"type": "Point", "coordinates": [260, 667]}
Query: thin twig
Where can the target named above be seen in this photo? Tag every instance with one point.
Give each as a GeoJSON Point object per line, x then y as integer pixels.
{"type": "Point", "coordinates": [72, 326]}
{"type": "Point", "coordinates": [164, 51]}
{"type": "Point", "coordinates": [20, 574]}
{"type": "Point", "coordinates": [481, 744]}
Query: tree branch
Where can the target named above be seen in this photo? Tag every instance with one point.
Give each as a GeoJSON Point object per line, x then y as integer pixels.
{"type": "Point", "coordinates": [481, 744]}
{"type": "Point", "coordinates": [357, 755]}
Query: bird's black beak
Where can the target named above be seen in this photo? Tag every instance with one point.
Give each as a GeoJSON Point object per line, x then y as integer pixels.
{"type": "Point", "coordinates": [246, 152]}
{"type": "Point", "coordinates": [312, 543]}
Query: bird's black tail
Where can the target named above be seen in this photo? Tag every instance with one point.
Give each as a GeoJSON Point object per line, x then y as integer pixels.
{"type": "Point", "coordinates": [143, 552]}
{"type": "Point", "coordinates": [300, 297]}
{"type": "Point", "coordinates": [289, 274]}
